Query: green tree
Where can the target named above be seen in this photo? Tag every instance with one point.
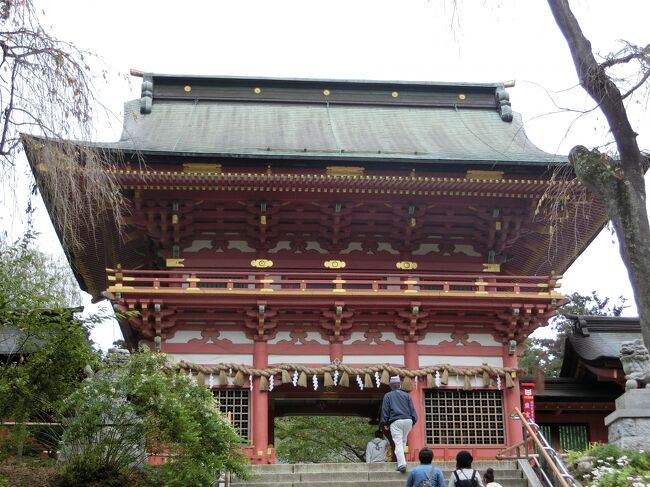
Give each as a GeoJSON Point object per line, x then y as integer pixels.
{"type": "Point", "coordinates": [547, 353]}
{"type": "Point", "coordinates": [142, 405]}
{"type": "Point", "coordinates": [322, 439]}
{"type": "Point", "coordinates": [44, 349]}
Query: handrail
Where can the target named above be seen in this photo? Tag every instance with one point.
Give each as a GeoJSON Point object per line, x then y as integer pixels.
{"type": "Point", "coordinates": [553, 461]}
{"type": "Point", "coordinates": [242, 281]}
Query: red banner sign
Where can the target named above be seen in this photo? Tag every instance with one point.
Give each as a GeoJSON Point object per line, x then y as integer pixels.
{"type": "Point", "coordinates": [528, 401]}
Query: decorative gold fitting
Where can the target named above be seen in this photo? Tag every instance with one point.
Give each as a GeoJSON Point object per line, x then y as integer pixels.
{"type": "Point", "coordinates": [338, 281]}
{"type": "Point", "coordinates": [187, 88]}
{"type": "Point", "coordinates": [200, 167]}
{"type": "Point", "coordinates": [262, 263]}
{"type": "Point", "coordinates": [394, 94]}
{"type": "Point", "coordinates": [257, 91]}
{"type": "Point", "coordinates": [461, 96]}
{"type": "Point", "coordinates": [413, 222]}
{"type": "Point", "coordinates": [344, 171]}
{"type": "Point", "coordinates": [266, 281]}
{"type": "Point", "coordinates": [174, 219]}
{"type": "Point", "coordinates": [263, 220]}
{"type": "Point", "coordinates": [481, 283]}
{"type": "Point", "coordinates": [484, 175]}
{"type": "Point", "coordinates": [175, 262]}
{"type": "Point", "coordinates": [406, 265]}
{"type": "Point", "coordinates": [334, 264]}
{"type": "Point", "coordinates": [192, 279]}
{"type": "Point", "coordinates": [410, 281]}
{"type": "Point", "coordinates": [497, 226]}
{"type": "Point", "coordinates": [338, 290]}
{"type": "Point", "coordinates": [193, 289]}
{"type": "Point", "coordinates": [266, 290]}
{"type": "Point", "coordinates": [491, 267]}
{"type": "Point", "coordinates": [326, 92]}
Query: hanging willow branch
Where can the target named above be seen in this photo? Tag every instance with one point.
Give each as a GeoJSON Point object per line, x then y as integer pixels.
{"type": "Point", "coordinates": [484, 371]}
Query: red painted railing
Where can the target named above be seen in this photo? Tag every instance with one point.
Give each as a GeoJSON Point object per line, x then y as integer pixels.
{"type": "Point", "coordinates": [330, 282]}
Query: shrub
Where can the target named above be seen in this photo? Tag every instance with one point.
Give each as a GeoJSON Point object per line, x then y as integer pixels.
{"type": "Point", "coordinates": [127, 410]}
{"type": "Point", "coordinates": [615, 467]}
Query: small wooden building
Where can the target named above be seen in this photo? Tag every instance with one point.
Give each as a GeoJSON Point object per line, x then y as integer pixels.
{"type": "Point", "coordinates": [571, 409]}
{"type": "Point", "coordinates": [292, 243]}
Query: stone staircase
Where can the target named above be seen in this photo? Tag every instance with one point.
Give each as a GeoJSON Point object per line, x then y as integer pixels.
{"type": "Point", "coordinates": [363, 475]}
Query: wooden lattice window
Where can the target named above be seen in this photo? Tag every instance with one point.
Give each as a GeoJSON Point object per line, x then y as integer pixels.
{"type": "Point", "coordinates": [234, 403]}
{"type": "Point", "coordinates": [454, 417]}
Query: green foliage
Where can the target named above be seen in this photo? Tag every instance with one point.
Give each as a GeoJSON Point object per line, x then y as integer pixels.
{"type": "Point", "coordinates": [547, 353]}
{"type": "Point", "coordinates": [47, 349]}
{"type": "Point", "coordinates": [615, 467]}
{"type": "Point", "coordinates": [322, 439]}
{"type": "Point", "coordinates": [150, 409]}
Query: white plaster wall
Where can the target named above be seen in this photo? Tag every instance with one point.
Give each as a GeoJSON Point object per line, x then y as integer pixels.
{"type": "Point", "coordinates": [484, 339]}
{"type": "Point", "coordinates": [281, 245]}
{"type": "Point", "coordinates": [435, 338]}
{"type": "Point", "coordinates": [459, 360]}
{"type": "Point", "coordinates": [211, 358]}
{"type": "Point", "coordinates": [279, 337]}
{"type": "Point", "coordinates": [373, 359]}
{"type": "Point", "coordinates": [286, 336]}
{"type": "Point", "coordinates": [198, 245]}
{"type": "Point", "coordinates": [241, 245]}
{"type": "Point", "coordinates": [475, 381]}
{"type": "Point", "coordinates": [426, 248]}
{"type": "Point", "coordinates": [299, 359]}
{"type": "Point", "coordinates": [184, 336]}
{"type": "Point", "coordinates": [352, 247]}
{"type": "Point", "coordinates": [236, 337]}
{"type": "Point", "coordinates": [388, 336]}
{"type": "Point", "coordinates": [467, 250]}
{"type": "Point", "coordinates": [315, 246]}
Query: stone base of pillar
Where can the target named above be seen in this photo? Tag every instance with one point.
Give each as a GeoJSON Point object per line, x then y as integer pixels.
{"type": "Point", "coordinates": [629, 425]}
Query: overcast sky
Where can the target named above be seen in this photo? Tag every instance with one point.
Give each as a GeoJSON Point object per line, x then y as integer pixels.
{"type": "Point", "coordinates": [480, 41]}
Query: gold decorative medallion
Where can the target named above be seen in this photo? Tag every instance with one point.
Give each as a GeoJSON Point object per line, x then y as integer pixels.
{"type": "Point", "coordinates": [257, 91]}
{"type": "Point", "coordinates": [461, 96]}
{"type": "Point", "coordinates": [406, 265]}
{"type": "Point", "coordinates": [326, 92]}
{"type": "Point", "coordinates": [187, 88]}
{"type": "Point", "coordinates": [394, 94]}
{"type": "Point", "coordinates": [261, 263]}
{"type": "Point", "coordinates": [334, 264]}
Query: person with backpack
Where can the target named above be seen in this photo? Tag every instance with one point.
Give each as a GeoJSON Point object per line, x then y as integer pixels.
{"type": "Point", "coordinates": [488, 476]}
{"type": "Point", "coordinates": [398, 411]}
{"type": "Point", "coordinates": [425, 474]}
{"type": "Point", "coordinates": [376, 448]}
{"type": "Point", "coordinates": [464, 475]}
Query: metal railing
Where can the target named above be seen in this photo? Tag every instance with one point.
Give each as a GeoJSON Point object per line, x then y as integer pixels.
{"type": "Point", "coordinates": [548, 464]}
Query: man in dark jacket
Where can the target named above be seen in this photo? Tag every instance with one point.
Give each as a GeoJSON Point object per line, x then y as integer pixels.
{"type": "Point", "coordinates": [397, 410]}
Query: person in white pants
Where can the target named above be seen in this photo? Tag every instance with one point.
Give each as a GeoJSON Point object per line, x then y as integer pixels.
{"type": "Point", "coordinates": [398, 411]}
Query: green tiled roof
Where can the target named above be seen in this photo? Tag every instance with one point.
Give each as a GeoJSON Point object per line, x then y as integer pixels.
{"type": "Point", "coordinates": [422, 122]}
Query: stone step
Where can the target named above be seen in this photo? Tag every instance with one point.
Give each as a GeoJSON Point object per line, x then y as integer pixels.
{"type": "Point", "coordinates": [357, 483]}
{"type": "Point", "coordinates": [480, 465]}
{"type": "Point", "coordinates": [360, 475]}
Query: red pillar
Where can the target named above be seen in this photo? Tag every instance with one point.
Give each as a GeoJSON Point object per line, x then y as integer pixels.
{"type": "Point", "coordinates": [260, 399]}
{"type": "Point", "coordinates": [416, 438]}
{"type": "Point", "coordinates": [336, 351]}
{"type": "Point", "coordinates": [512, 399]}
